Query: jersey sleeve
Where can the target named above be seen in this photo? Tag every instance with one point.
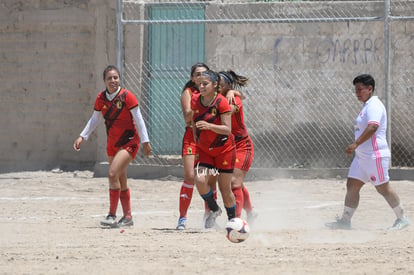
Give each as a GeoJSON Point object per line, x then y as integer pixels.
{"type": "Point", "coordinates": [224, 106]}
{"type": "Point", "coordinates": [374, 113]}
{"type": "Point", "coordinates": [131, 100]}
{"type": "Point", "coordinates": [99, 102]}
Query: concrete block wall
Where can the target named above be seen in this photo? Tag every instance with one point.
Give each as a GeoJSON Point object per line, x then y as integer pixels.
{"type": "Point", "coordinates": [52, 55]}
{"type": "Point", "coordinates": [338, 50]}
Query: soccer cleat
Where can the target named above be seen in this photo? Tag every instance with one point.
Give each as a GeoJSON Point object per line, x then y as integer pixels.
{"type": "Point", "coordinates": [251, 217]}
{"type": "Point", "coordinates": [110, 221]}
{"type": "Point", "coordinates": [400, 224]}
{"type": "Point", "coordinates": [124, 221]}
{"type": "Point", "coordinates": [181, 223]}
{"type": "Point", "coordinates": [211, 218]}
{"type": "Point", "coordinates": [339, 224]}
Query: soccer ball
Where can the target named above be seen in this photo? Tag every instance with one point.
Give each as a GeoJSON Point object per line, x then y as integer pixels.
{"type": "Point", "coordinates": [237, 230]}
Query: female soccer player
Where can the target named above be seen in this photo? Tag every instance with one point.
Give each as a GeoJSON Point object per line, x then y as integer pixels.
{"type": "Point", "coordinates": [188, 146]}
{"type": "Point", "coordinates": [215, 145]}
{"type": "Point", "coordinates": [119, 107]}
{"type": "Point", "coordinates": [229, 80]}
{"type": "Point", "coordinates": [372, 156]}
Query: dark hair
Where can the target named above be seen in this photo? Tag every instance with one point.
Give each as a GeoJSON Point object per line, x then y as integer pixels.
{"type": "Point", "coordinates": [198, 65]}
{"type": "Point", "coordinates": [110, 68]}
{"type": "Point", "coordinates": [235, 80]}
{"type": "Point", "coordinates": [366, 80]}
{"type": "Point", "coordinates": [213, 76]}
{"type": "Point", "coordinates": [190, 83]}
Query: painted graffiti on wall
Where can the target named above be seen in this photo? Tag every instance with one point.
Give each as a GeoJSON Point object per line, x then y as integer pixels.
{"type": "Point", "coordinates": [345, 51]}
{"type": "Point", "coordinates": [350, 51]}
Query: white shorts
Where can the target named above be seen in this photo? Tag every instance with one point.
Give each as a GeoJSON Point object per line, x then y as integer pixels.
{"type": "Point", "coordinates": [370, 170]}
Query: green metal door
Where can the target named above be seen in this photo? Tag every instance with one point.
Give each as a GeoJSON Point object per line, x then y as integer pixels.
{"type": "Point", "coordinates": [173, 48]}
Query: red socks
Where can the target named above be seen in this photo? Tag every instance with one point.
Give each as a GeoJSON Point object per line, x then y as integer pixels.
{"type": "Point", "coordinates": [238, 194]}
{"type": "Point", "coordinates": [186, 193]}
{"type": "Point", "coordinates": [125, 198]}
{"type": "Point", "coordinates": [247, 205]}
{"type": "Point", "coordinates": [114, 195]}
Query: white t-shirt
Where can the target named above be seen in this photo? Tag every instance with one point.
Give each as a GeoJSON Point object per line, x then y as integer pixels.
{"type": "Point", "coordinates": [373, 112]}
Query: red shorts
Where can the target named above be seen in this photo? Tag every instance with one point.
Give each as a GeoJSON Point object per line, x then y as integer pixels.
{"type": "Point", "coordinates": [189, 146]}
{"type": "Point", "coordinates": [244, 154]}
{"type": "Point", "coordinates": [222, 158]}
{"type": "Point", "coordinates": [131, 146]}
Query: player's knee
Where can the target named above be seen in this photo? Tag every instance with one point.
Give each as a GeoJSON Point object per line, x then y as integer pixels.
{"type": "Point", "coordinates": [113, 176]}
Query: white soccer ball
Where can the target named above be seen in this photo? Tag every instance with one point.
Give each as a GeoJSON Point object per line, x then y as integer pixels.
{"type": "Point", "coordinates": [237, 230]}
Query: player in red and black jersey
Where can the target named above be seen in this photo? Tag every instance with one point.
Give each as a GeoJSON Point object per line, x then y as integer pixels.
{"type": "Point", "coordinates": [215, 145]}
{"type": "Point", "coordinates": [244, 144]}
{"type": "Point", "coordinates": [188, 145]}
{"type": "Point", "coordinates": [125, 129]}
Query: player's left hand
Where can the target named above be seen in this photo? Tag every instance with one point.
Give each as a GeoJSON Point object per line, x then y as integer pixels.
{"type": "Point", "coordinates": [146, 148]}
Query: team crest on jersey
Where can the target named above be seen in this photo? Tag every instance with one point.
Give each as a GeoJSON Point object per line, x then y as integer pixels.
{"type": "Point", "coordinates": [189, 151]}
{"type": "Point", "coordinates": [214, 111]}
{"type": "Point", "coordinates": [119, 104]}
{"type": "Point", "coordinates": [225, 163]}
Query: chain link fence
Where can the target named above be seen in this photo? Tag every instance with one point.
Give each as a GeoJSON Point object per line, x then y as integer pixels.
{"type": "Point", "coordinates": [300, 58]}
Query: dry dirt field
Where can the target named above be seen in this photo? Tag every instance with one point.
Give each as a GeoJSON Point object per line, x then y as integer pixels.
{"type": "Point", "coordinates": [49, 224]}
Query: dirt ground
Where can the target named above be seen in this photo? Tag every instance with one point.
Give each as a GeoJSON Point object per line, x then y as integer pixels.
{"type": "Point", "coordinates": [49, 224]}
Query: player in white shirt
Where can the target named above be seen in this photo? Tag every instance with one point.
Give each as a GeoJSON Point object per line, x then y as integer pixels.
{"type": "Point", "coordinates": [372, 156]}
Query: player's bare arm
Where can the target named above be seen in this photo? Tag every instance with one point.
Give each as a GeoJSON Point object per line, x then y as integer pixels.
{"type": "Point", "coordinates": [231, 94]}
{"type": "Point", "coordinates": [186, 107]}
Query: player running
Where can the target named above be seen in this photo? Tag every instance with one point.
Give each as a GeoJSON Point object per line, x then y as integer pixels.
{"type": "Point", "coordinates": [188, 145]}
{"type": "Point", "coordinates": [215, 145]}
{"type": "Point", "coordinates": [229, 80]}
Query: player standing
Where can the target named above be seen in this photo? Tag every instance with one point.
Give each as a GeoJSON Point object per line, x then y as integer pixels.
{"type": "Point", "coordinates": [119, 107]}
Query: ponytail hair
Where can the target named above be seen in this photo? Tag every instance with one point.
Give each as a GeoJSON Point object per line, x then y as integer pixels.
{"type": "Point", "coordinates": [235, 80]}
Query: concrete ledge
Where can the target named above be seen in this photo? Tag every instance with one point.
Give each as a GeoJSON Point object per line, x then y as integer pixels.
{"type": "Point", "coordinates": [136, 171]}
{"type": "Point", "coordinates": [157, 172]}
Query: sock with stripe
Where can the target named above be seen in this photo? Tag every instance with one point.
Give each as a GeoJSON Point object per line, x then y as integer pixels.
{"type": "Point", "coordinates": [186, 193]}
